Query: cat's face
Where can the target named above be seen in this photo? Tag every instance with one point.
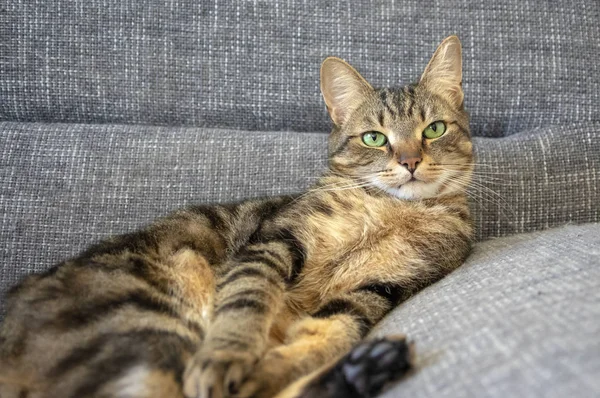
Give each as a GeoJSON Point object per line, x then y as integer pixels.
{"type": "Point", "coordinates": [411, 142]}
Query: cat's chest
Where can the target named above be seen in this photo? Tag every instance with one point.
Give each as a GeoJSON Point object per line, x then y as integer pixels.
{"type": "Point", "coordinates": [357, 225]}
{"type": "Point", "coordinates": [336, 234]}
{"type": "Point", "coordinates": [351, 245]}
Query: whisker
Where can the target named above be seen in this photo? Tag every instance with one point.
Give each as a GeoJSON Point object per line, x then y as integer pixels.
{"type": "Point", "coordinates": [493, 180]}
{"type": "Point", "coordinates": [472, 195]}
{"type": "Point", "coordinates": [477, 196]}
{"type": "Point", "coordinates": [488, 194]}
{"type": "Point", "coordinates": [481, 172]}
{"type": "Point", "coordinates": [347, 183]}
{"type": "Point", "coordinates": [345, 188]}
{"type": "Point", "coordinates": [463, 164]}
{"type": "Point", "coordinates": [476, 172]}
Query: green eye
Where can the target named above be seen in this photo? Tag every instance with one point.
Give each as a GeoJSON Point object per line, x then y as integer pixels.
{"type": "Point", "coordinates": [374, 139]}
{"type": "Point", "coordinates": [435, 130]}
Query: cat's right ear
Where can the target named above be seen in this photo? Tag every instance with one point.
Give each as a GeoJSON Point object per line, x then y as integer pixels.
{"type": "Point", "coordinates": [343, 89]}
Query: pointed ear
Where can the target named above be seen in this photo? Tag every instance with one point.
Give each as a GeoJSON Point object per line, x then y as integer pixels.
{"type": "Point", "coordinates": [343, 89]}
{"type": "Point", "coordinates": [443, 74]}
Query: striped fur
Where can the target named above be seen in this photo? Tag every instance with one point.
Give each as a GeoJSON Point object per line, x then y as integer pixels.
{"type": "Point", "coordinates": [245, 299]}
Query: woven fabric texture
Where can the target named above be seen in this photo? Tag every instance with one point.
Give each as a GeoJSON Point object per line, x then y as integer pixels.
{"type": "Point", "coordinates": [518, 319]}
{"type": "Point", "coordinates": [65, 186]}
{"type": "Point", "coordinates": [253, 65]}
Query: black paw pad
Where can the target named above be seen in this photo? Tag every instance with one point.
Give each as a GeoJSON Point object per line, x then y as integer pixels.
{"type": "Point", "coordinates": [374, 363]}
{"type": "Point", "coordinates": [365, 371]}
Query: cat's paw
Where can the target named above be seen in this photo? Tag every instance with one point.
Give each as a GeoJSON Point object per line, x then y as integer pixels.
{"type": "Point", "coordinates": [271, 375]}
{"type": "Point", "coordinates": [365, 371]}
{"type": "Point", "coordinates": [218, 371]}
{"type": "Point", "coordinates": [374, 363]}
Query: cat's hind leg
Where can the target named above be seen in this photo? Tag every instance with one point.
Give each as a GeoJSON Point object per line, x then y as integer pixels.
{"type": "Point", "coordinates": [116, 325]}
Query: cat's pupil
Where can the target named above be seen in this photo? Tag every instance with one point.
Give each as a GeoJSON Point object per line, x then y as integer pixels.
{"type": "Point", "coordinates": [373, 136]}
{"type": "Point", "coordinates": [433, 126]}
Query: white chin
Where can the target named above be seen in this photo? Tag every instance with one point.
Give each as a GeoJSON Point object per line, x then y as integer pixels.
{"type": "Point", "coordinates": [413, 190]}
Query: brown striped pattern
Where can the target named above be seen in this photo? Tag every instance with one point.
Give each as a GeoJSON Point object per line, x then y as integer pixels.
{"type": "Point", "coordinates": [199, 303]}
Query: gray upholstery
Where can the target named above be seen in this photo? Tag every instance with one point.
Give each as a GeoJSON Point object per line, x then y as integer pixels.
{"type": "Point", "coordinates": [519, 319]}
{"type": "Point", "coordinates": [253, 65]}
{"type": "Point", "coordinates": [65, 186]}
{"type": "Point", "coordinates": [234, 87]}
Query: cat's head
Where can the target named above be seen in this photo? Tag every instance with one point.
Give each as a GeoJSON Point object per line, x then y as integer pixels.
{"type": "Point", "coordinates": [411, 142]}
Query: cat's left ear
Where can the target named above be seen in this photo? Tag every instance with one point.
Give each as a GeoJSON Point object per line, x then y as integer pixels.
{"type": "Point", "coordinates": [443, 74]}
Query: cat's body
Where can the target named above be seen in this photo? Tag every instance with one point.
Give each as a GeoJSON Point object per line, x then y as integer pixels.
{"type": "Point", "coordinates": [244, 299]}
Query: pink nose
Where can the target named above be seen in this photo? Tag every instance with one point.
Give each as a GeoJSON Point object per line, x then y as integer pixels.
{"type": "Point", "coordinates": [411, 162]}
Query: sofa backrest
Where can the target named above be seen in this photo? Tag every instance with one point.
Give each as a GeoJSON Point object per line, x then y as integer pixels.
{"type": "Point", "coordinates": [254, 64]}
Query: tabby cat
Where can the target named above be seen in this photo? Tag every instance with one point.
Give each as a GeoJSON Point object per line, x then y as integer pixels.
{"type": "Point", "coordinates": [266, 297]}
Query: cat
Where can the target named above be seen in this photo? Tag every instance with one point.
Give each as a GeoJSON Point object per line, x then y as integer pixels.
{"type": "Point", "coordinates": [269, 296]}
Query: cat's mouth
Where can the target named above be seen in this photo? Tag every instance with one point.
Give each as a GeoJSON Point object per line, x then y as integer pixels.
{"type": "Point", "coordinates": [412, 179]}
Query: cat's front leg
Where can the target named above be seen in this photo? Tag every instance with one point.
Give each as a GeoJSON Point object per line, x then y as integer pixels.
{"type": "Point", "coordinates": [250, 293]}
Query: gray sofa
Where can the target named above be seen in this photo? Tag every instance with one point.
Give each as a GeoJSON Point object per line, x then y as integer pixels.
{"type": "Point", "coordinates": [113, 113]}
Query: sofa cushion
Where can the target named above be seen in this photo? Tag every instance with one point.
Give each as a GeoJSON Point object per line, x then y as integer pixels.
{"type": "Point", "coordinates": [255, 65]}
{"type": "Point", "coordinates": [519, 319]}
{"type": "Point", "coordinates": [65, 186]}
